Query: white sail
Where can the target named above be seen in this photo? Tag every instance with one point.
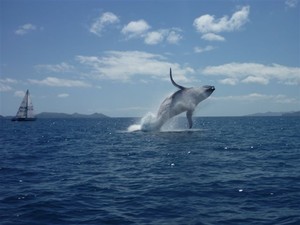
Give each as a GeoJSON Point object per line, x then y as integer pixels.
{"type": "Point", "coordinates": [25, 111]}
{"type": "Point", "coordinates": [30, 112]}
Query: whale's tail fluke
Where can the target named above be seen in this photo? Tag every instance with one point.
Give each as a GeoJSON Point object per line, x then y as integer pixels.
{"type": "Point", "coordinates": [173, 82]}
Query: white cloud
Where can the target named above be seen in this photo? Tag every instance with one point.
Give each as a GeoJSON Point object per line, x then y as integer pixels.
{"type": "Point", "coordinates": [57, 68]}
{"type": "Point", "coordinates": [63, 95]}
{"type": "Point", "coordinates": [258, 80]}
{"type": "Point", "coordinates": [141, 29]}
{"type": "Point", "coordinates": [291, 3]}
{"type": "Point", "coordinates": [256, 73]}
{"type": "Point", "coordinates": [103, 21]}
{"type": "Point", "coordinates": [205, 49]}
{"type": "Point", "coordinates": [155, 37]}
{"type": "Point", "coordinates": [4, 87]}
{"type": "Point", "coordinates": [212, 37]}
{"type": "Point", "coordinates": [5, 84]}
{"type": "Point", "coordinates": [174, 37]}
{"type": "Point", "coordinates": [58, 82]}
{"type": "Point", "coordinates": [135, 28]}
{"type": "Point", "coordinates": [255, 97]}
{"type": "Point", "coordinates": [208, 23]}
{"type": "Point", "coordinates": [229, 81]}
{"type": "Point", "coordinates": [8, 80]}
{"type": "Point", "coordinates": [19, 94]}
{"type": "Point", "coordinates": [123, 65]}
{"type": "Point", "coordinates": [26, 28]}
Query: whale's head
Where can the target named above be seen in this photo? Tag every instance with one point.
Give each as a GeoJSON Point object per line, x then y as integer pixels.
{"type": "Point", "coordinates": [203, 92]}
{"type": "Point", "coordinates": [208, 90]}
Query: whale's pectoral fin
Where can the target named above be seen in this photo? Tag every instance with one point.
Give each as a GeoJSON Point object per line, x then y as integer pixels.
{"type": "Point", "coordinates": [189, 115]}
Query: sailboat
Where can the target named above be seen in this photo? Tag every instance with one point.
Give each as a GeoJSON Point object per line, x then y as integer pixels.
{"type": "Point", "coordinates": [25, 112]}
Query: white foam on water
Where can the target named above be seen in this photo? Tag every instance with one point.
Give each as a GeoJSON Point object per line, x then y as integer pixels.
{"type": "Point", "coordinates": [187, 130]}
{"type": "Point", "coordinates": [147, 123]}
{"type": "Point", "coordinates": [134, 127]}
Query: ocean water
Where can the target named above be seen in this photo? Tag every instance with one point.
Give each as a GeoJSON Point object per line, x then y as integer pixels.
{"type": "Point", "coordinates": [235, 170]}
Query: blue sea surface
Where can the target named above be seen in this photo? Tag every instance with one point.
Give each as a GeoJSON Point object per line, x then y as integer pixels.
{"type": "Point", "coordinates": [233, 170]}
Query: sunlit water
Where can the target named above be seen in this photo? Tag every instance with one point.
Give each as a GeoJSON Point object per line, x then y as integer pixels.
{"type": "Point", "coordinates": [89, 171]}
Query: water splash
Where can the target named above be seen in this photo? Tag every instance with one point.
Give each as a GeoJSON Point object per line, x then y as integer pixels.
{"type": "Point", "coordinates": [147, 123]}
{"type": "Point", "coordinates": [134, 127]}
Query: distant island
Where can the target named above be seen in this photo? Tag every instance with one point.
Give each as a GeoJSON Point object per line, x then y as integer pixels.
{"type": "Point", "coordinates": [71, 116]}
{"type": "Point", "coordinates": [54, 115]}
{"type": "Point", "coordinates": [297, 113]}
{"type": "Point", "coordinates": [292, 114]}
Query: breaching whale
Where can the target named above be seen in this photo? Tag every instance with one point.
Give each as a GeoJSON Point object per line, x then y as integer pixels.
{"type": "Point", "coordinates": [183, 100]}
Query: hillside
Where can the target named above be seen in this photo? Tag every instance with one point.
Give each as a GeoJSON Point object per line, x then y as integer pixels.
{"type": "Point", "coordinates": [297, 113]}
{"type": "Point", "coordinates": [70, 116]}
{"type": "Point", "coordinates": [266, 114]}
{"type": "Point", "coordinates": [291, 114]}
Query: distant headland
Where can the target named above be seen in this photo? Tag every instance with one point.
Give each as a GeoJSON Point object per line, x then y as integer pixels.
{"type": "Point", "coordinates": [297, 113]}
{"type": "Point", "coordinates": [54, 115]}
{"type": "Point", "coordinates": [74, 115]}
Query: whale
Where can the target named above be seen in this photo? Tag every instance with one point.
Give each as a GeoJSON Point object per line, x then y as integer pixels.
{"type": "Point", "coordinates": [183, 100]}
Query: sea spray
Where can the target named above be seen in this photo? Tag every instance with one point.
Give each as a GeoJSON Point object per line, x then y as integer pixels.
{"type": "Point", "coordinates": [150, 123]}
{"type": "Point", "coordinates": [147, 123]}
{"type": "Point", "coordinates": [134, 127]}
{"type": "Point", "coordinates": [172, 125]}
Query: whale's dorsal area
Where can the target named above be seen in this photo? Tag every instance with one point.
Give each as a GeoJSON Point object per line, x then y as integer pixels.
{"type": "Point", "coordinates": [174, 83]}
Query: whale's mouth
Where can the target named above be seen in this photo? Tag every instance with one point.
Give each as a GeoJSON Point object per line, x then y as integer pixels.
{"type": "Point", "coordinates": [209, 89]}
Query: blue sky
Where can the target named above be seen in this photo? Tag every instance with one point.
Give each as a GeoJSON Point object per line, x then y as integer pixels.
{"type": "Point", "coordinates": [114, 57]}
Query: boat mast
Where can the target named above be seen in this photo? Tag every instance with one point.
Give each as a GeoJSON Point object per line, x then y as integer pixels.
{"type": "Point", "coordinates": [26, 107]}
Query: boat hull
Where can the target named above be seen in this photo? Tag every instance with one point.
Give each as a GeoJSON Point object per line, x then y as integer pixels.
{"type": "Point", "coordinates": [23, 119]}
